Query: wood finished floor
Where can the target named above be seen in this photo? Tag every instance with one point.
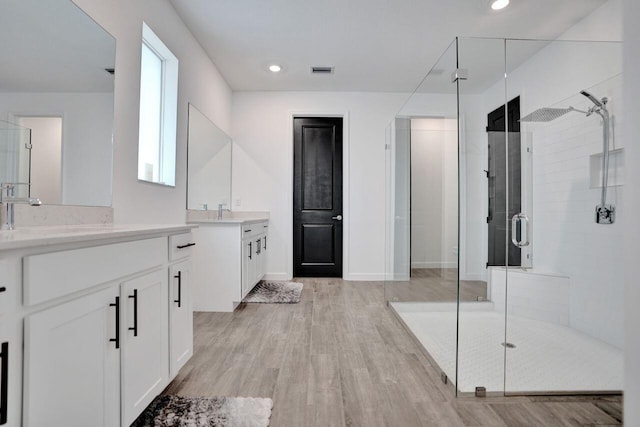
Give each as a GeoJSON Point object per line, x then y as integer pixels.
{"type": "Point", "coordinates": [435, 285]}
{"type": "Point", "coordinates": [340, 358]}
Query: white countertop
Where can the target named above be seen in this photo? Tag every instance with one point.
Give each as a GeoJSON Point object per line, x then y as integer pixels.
{"type": "Point", "coordinates": [26, 237]}
{"type": "Point", "coordinates": [234, 217]}
{"type": "Point", "coordinates": [227, 220]}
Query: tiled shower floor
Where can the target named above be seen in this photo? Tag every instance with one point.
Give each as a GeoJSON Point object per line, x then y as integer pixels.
{"type": "Point", "coordinates": [547, 357]}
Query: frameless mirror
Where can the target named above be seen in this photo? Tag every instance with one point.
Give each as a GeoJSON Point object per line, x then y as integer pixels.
{"type": "Point", "coordinates": [56, 81]}
{"type": "Point", "coordinates": [209, 163]}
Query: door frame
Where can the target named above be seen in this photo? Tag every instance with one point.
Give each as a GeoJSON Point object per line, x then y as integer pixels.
{"type": "Point", "coordinates": [344, 115]}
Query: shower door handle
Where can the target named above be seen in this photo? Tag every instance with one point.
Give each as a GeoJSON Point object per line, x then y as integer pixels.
{"type": "Point", "coordinates": [524, 232]}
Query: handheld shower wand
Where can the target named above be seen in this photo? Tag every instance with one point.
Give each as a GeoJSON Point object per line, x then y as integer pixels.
{"type": "Point", "coordinates": [605, 213]}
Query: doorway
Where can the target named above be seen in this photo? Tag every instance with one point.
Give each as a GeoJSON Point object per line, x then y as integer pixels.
{"type": "Point", "coordinates": [46, 157]}
{"type": "Point", "coordinates": [499, 185]}
{"type": "Point", "coordinates": [317, 196]}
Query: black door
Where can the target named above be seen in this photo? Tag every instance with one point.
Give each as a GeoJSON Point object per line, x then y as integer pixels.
{"type": "Point", "coordinates": [499, 219]}
{"type": "Point", "coordinates": [317, 197]}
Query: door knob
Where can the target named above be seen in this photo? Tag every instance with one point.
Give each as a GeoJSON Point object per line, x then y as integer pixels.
{"type": "Point", "coordinates": [339, 217]}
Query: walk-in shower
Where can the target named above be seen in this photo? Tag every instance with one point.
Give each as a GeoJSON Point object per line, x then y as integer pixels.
{"type": "Point", "coordinates": [494, 261]}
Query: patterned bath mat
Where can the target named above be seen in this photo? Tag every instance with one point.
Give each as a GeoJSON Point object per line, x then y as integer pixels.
{"type": "Point", "coordinates": [275, 292]}
{"type": "Point", "coordinates": [178, 411]}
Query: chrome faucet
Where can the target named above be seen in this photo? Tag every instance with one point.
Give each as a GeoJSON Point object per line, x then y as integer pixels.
{"type": "Point", "coordinates": [220, 205]}
{"type": "Point", "coordinates": [7, 197]}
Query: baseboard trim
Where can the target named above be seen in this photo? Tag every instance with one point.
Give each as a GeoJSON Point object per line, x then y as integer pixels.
{"type": "Point", "coordinates": [277, 276]}
{"type": "Point", "coordinates": [434, 264]}
{"type": "Point", "coordinates": [364, 277]}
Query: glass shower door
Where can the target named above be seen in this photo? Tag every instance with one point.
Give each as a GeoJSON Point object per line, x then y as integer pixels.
{"type": "Point", "coordinates": [564, 302]}
{"type": "Point", "coordinates": [483, 215]}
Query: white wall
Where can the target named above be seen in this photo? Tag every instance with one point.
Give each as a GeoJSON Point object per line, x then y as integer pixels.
{"type": "Point", "coordinates": [632, 232]}
{"type": "Point", "coordinates": [434, 193]}
{"type": "Point", "coordinates": [263, 161]}
{"type": "Point", "coordinates": [199, 82]}
{"type": "Point", "coordinates": [87, 150]}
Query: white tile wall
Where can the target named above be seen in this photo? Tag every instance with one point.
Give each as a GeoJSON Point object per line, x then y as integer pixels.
{"type": "Point", "coordinates": [566, 239]}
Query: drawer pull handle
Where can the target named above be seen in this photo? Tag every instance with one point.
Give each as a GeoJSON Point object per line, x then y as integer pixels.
{"type": "Point", "coordinates": [250, 249]}
{"type": "Point", "coordinates": [185, 246]}
{"type": "Point", "coordinates": [117, 338]}
{"type": "Point", "coordinates": [247, 231]}
{"type": "Point", "coordinates": [3, 289]}
{"type": "Point", "coordinates": [265, 243]}
{"type": "Point", "coordinates": [134, 328]}
{"type": "Point", "coordinates": [179, 277]}
{"type": "Point", "coordinates": [4, 387]}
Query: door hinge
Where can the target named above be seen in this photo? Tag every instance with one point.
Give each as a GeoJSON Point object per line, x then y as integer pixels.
{"type": "Point", "coordinates": [488, 220]}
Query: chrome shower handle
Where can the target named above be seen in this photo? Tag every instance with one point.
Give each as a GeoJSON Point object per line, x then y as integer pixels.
{"type": "Point", "coordinates": [524, 221]}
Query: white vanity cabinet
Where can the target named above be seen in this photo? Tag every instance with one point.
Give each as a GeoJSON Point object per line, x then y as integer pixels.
{"type": "Point", "coordinates": [145, 347]}
{"type": "Point", "coordinates": [228, 262]}
{"type": "Point", "coordinates": [94, 318]}
{"type": "Point", "coordinates": [254, 238]}
{"type": "Point", "coordinates": [180, 316]}
{"type": "Point", "coordinates": [71, 366]}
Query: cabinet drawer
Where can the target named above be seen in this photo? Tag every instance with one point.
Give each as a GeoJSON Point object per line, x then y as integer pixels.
{"type": "Point", "coordinates": [253, 230]}
{"type": "Point", "coordinates": [52, 275]}
{"type": "Point", "coordinates": [180, 246]}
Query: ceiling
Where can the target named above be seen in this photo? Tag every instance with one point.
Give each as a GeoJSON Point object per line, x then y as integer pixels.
{"type": "Point", "coordinates": [374, 45]}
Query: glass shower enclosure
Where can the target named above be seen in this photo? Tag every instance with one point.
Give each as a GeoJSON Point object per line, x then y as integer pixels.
{"type": "Point", "coordinates": [505, 212]}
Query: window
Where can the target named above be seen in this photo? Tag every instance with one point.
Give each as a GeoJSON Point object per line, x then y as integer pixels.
{"type": "Point", "coordinates": [158, 111]}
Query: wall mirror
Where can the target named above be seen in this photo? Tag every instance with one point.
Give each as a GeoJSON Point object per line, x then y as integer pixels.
{"type": "Point", "coordinates": [57, 83]}
{"type": "Point", "coordinates": [209, 164]}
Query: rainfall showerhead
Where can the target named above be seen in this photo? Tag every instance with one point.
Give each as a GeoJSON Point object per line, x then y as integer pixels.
{"type": "Point", "coordinates": [546, 114]}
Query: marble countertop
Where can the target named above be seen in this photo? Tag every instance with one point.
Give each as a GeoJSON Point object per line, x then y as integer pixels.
{"type": "Point", "coordinates": [38, 236]}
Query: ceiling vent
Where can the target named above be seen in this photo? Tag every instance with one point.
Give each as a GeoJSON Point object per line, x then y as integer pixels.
{"type": "Point", "coordinates": [321, 70]}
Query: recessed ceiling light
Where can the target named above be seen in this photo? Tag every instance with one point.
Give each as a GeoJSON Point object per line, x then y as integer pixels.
{"type": "Point", "coordinates": [499, 4]}
{"type": "Point", "coordinates": [275, 68]}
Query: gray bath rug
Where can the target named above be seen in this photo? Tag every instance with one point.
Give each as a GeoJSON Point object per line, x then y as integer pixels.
{"type": "Point", "coordinates": [178, 411]}
{"type": "Point", "coordinates": [275, 292]}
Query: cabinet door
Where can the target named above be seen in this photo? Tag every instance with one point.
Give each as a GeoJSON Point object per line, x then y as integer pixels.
{"type": "Point", "coordinates": [180, 316]}
{"type": "Point", "coordinates": [71, 363]}
{"type": "Point", "coordinates": [262, 259]}
{"type": "Point", "coordinates": [145, 348]}
{"type": "Point", "coordinates": [248, 265]}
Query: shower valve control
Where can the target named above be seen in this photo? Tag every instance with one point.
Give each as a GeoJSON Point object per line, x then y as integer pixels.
{"type": "Point", "coordinates": [605, 214]}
